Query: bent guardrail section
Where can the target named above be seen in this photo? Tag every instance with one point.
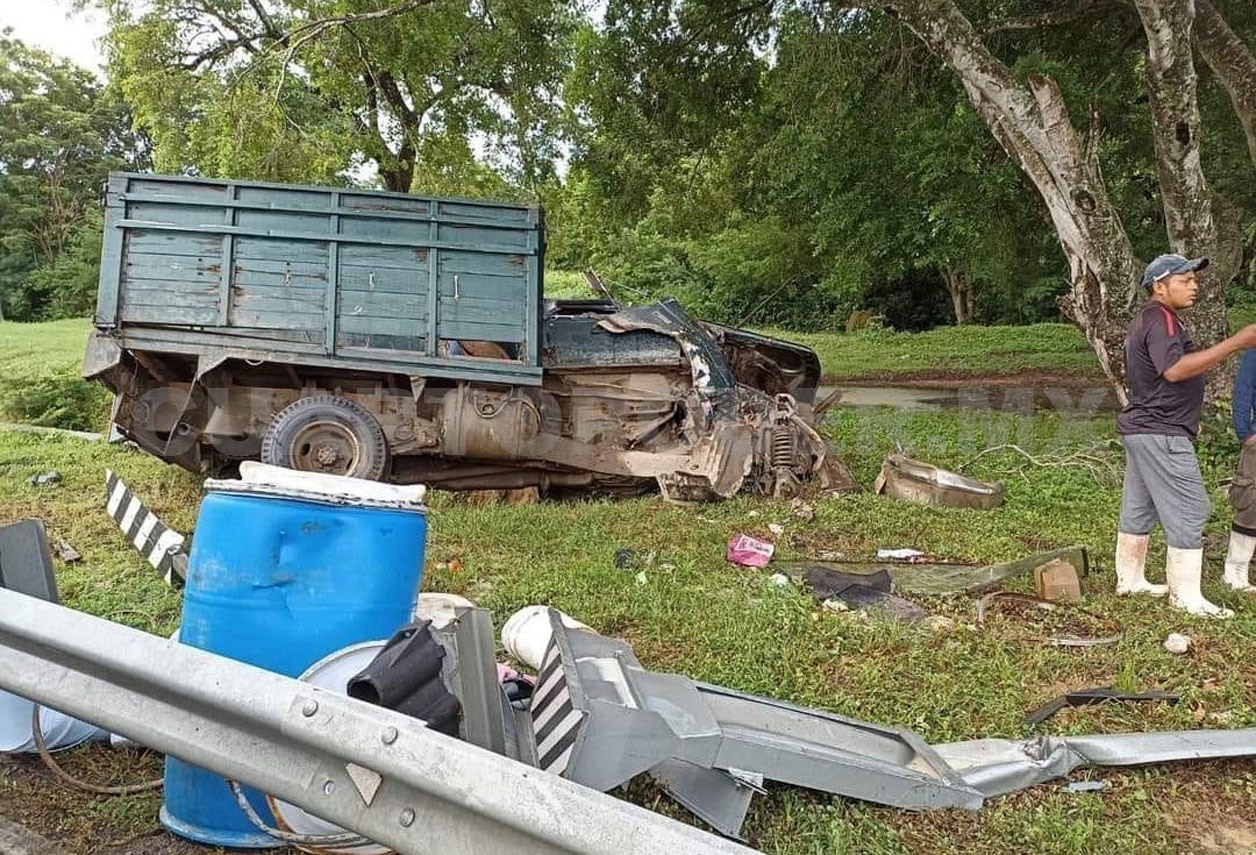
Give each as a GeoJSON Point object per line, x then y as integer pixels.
{"type": "Point", "coordinates": [368, 769]}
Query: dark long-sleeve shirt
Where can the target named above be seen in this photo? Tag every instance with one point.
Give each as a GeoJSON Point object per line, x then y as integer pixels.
{"type": "Point", "coordinates": [1244, 395]}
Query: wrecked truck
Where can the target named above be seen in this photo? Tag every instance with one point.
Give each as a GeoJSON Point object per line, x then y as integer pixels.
{"type": "Point", "coordinates": [405, 338]}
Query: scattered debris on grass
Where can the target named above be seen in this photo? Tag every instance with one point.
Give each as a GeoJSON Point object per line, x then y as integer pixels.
{"type": "Point", "coordinates": [901, 554]}
{"type": "Point", "coordinates": [913, 480]}
{"type": "Point", "coordinates": [45, 479]}
{"type": "Point", "coordinates": [1060, 624]}
{"type": "Point", "coordinates": [802, 510]}
{"type": "Point", "coordinates": [1177, 643]}
{"type": "Point", "coordinates": [1099, 695]}
{"type": "Point", "coordinates": [936, 578]}
{"type": "Point", "coordinates": [1056, 580]}
{"type": "Point", "coordinates": [1099, 461]}
{"type": "Point", "coordinates": [748, 551]}
{"type": "Point", "coordinates": [67, 553]}
{"type": "Point", "coordinates": [1086, 786]}
{"type": "Point", "coordinates": [627, 558]}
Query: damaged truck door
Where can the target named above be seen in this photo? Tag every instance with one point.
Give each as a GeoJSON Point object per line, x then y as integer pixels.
{"type": "Point", "coordinates": [405, 338]}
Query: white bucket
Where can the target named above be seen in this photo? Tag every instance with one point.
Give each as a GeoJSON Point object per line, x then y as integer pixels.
{"type": "Point", "coordinates": [333, 673]}
{"type": "Point", "coordinates": [60, 730]}
{"type": "Point", "coordinates": [439, 608]}
{"type": "Point", "coordinates": [527, 633]}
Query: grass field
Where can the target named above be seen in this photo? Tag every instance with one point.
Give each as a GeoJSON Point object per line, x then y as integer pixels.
{"type": "Point", "coordinates": [874, 353]}
{"type": "Point", "coordinates": [694, 613]}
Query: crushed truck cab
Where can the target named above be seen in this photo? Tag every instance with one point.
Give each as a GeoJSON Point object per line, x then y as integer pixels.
{"type": "Point", "coordinates": [405, 338]}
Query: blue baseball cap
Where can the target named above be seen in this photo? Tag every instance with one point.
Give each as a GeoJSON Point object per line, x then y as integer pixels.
{"type": "Point", "coordinates": [1163, 266]}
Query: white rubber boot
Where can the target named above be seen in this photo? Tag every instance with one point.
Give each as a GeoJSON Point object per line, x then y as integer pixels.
{"type": "Point", "coordinates": [1131, 564]}
{"type": "Point", "coordinates": [1237, 559]}
{"type": "Point", "coordinates": [1183, 569]}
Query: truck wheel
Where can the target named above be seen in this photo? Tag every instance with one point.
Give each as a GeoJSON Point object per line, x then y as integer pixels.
{"type": "Point", "coordinates": [327, 434]}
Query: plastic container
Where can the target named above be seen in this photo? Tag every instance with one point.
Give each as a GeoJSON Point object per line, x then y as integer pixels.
{"type": "Point", "coordinates": [285, 568]}
{"type": "Point", "coordinates": [60, 730]}
{"type": "Point", "coordinates": [527, 633]}
{"type": "Point", "coordinates": [332, 673]}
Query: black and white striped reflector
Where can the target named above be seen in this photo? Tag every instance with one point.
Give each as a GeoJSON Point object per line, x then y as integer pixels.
{"type": "Point", "coordinates": [555, 722]}
{"type": "Point", "coordinates": [160, 545]}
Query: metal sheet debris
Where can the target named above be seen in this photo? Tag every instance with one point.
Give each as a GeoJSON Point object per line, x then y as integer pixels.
{"type": "Point", "coordinates": [924, 483]}
{"type": "Point", "coordinates": [996, 767]}
{"type": "Point", "coordinates": [601, 719]}
{"type": "Point", "coordinates": [935, 578]}
{"type": "Point", "coordinates": [1086, 697]}
{"type": "Point", "coordinates": [1109, 631]}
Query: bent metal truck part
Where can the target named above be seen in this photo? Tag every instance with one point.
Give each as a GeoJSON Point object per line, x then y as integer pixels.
{"type": "Point", "coordinates": [405, 338]}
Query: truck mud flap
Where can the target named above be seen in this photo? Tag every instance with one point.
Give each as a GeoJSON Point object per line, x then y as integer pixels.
{"type": "Point", "coordinates": [103, 354]}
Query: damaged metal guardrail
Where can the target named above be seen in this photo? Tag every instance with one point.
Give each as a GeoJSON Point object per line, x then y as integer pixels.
{"type": "Point", "coordinates": [377, 772]}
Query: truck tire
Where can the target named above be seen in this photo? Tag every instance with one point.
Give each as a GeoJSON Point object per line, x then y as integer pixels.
{"type": "Point", "coordinates": [327, 434]}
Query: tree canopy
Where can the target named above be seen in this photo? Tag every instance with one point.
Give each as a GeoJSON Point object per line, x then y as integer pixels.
{"type": "Point", "coordinates": [771, 162]}
{"type": "Point", "coordinates": [432, 95]}
{"type": "Point", "coordinates": [61, 133]}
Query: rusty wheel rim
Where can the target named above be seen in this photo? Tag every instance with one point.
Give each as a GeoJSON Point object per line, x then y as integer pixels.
{"type": "Point", "coordinates": [327, 447]}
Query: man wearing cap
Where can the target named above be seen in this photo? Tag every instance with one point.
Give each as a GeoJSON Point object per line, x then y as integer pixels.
{"type": "Point", "coordinates": [1165, 375]}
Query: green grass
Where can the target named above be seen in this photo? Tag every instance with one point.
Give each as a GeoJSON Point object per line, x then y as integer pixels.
{"type": "Point", "coordinates": [39, 376]}
{"type": "Point", "coordinates": [877, 353]}
{"type": "Point", "coordinates": [696, 614]}
{"type": "Point", "coordinates": [566, 285]}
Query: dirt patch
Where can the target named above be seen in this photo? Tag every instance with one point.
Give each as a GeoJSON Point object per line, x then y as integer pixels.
{"type": "Point", "coordinates": [1228, 838]}
{"type": "Point", "coordinates": [87, 824]}
{"type": "Point", "coordinates": [1213, 827]}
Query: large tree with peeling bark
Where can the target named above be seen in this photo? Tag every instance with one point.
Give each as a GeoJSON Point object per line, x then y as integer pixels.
{"type": "Point", "coordinates": [1096, 101]}
{"type": "Point", "coordinates": [1032, 122]}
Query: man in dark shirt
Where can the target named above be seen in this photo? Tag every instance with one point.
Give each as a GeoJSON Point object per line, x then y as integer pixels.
{"type": "Point", "coordinates": [1165, 375]}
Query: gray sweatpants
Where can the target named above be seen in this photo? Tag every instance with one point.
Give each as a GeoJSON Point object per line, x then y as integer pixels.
{"type": "Point", "coordinates": [1163, 484]}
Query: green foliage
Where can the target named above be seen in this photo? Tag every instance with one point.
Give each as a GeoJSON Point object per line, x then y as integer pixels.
{"type": "Point", "coordinates": [59, 399]}
{"type": "Point", "coordinates": [39, 377]}
{"type": "Point", "coordinates": [309, 91]}
{"type": "Point", "coordinates": [846, 158]}
{"type": "Point", "coordinates": [566, 285]}
{"type": "Point", "coordinates": [786, 202]}
{"type": "Point", "coordinates": [61, 132]}
{"type": "Point", "coordinates": [67, 285]}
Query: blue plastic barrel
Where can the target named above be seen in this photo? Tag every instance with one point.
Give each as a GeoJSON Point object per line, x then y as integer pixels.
{"type": "Point", "coordinates": [286, 568]}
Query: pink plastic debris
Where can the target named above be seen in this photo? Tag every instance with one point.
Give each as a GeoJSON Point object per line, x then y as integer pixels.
{"type": "Point", "coordinates": [505, 672]}
{"type": "Point", "coordinates": [749, 551]}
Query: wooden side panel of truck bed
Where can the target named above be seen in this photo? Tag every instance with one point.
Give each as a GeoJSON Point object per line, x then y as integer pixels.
{"type": "Point", "coordinates": [314, 275]}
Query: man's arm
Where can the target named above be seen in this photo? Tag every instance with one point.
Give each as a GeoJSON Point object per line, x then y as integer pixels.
{"type": "Point", "coordinates": [1194, 364]}
{"type": "Point", "coordinates": [1244, 395]}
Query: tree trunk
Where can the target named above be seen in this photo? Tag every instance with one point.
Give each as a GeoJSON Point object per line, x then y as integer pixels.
{"type": "Point", "coordinates": [1032, 124]}
{"type": "Point", "coordinates": [1231, 62]}
{"type": "Point", "coordinates": [1191, 217]}
{"type": "Point", "coordinates": [397, 170]}
{"type": "Point", "coordinates": [959, 286]}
